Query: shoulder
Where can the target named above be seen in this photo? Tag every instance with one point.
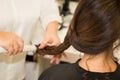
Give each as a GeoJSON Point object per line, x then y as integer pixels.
{"type": "Point", "coordinates": [60, 72]}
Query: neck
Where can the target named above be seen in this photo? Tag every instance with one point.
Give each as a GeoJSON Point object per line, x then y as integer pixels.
{"type": "Point", "coordinates": [102, 62]}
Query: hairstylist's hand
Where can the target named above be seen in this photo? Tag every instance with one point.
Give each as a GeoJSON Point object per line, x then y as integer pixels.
{"type": "Point", "coordinates": [51, 38]}
{"type": "Point", "coordinates": [57, 58]}
{"type": "Point", "coordinates": [11, 42]}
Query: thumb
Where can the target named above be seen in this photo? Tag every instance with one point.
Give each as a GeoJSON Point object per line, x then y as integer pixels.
{"type": "Point", "coordinates": [43, 44]}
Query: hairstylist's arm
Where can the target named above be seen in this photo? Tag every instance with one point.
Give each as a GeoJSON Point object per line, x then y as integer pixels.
{"type": "Point", "coordinates": [11, 42]}
{"type": "Point", "coordinates": [51, 38]}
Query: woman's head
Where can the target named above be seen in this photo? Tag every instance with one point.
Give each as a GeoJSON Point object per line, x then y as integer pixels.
{"type": "Point", "coordinates": [94, 28]}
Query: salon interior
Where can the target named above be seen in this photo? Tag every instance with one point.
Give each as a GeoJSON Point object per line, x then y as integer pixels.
{"type": "Point", "coordinates": [34, 67]}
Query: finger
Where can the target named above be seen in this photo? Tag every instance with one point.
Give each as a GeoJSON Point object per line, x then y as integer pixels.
{"type": "Point", "coordinates": [52, 60]}
{"type": "Point", "coordinates": [20, 45]}
{"type": "Point", "coordinates": [54, 44]}
{"type": "Point", "coordinates": [16, 45]}
{"type": "Point", "coordinates": [15, 48]}
{"type": "Point", "coordinates": [43, 44]}
{"type": "Point", "coordinates": [58, 60]}
{"type": "Point", "coordinates": [10, 51]}
{"type": "Point", "coordinates": [65, 56]}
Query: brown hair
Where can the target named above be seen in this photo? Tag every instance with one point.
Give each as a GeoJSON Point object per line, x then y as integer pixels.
{"type": "Point", "coordinates": [94, 28]}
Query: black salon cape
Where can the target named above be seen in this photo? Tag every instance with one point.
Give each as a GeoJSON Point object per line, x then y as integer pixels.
{"type": "Point", "coordinates": [73, 71]}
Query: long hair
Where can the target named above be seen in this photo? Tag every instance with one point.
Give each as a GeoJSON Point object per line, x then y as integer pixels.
{"type": "Point", "coordinates": [95, 27]}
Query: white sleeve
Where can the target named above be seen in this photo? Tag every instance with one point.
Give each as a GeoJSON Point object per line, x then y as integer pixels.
{"type": "Point", "coordinates": [49, 12]}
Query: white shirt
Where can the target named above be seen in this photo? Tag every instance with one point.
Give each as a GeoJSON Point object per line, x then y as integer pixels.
{"type": "Point", "coordinates": [20, 17]}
